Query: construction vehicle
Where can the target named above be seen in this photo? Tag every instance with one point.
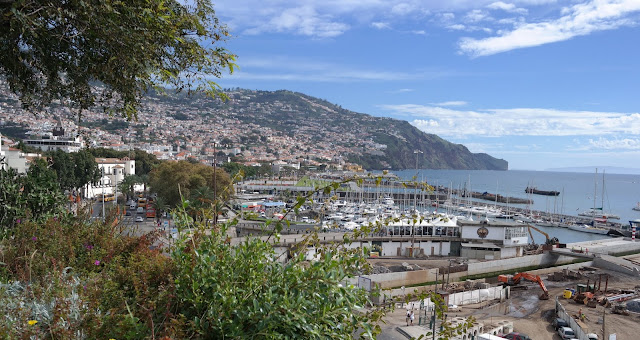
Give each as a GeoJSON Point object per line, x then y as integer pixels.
{"type": "Point", "coordinates": [619, 309]}
{"type": "Point", "coordinates": [549, 240]}
{"type": "Point", "coordinates": [512, 280]}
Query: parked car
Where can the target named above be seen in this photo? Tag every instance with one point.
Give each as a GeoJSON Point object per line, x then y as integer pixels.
{"type": "Point", "coordinates": [128, 213]}
{"type": "Point", "coordinates": [592, 336]}
{"type": "Point", "coordinates": [454, 308]}
{"type": "Point", "coordinates": [139, 219]}
{"type": "Point", "coordinates": [557, 323]}
{"type": "Point", "coordinates": [516, 336]}
{"type": "Point", "coordinates": [566, 333]}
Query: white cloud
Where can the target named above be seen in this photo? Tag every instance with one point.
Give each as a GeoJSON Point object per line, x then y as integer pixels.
{"type": "Point", "coordinates": [457, 27]}
{"type": "Point", "coordinates": [517, 122]}
{"type": "Point", "coordinates": [451, 103]}
{"type": "Point", "coordinates": [476, 15]}
{"type": "Point", "coordinates": [402, 91]}
{"type": "Point", "coordinates": [580, 19]}
{"type": "Point", "coordinates": [419, 32]}
{"type": "Point", "coordinates": [381, 25]}
{"type": "Point", "coordinates": [511, 8]}
{"type": "Point", "coordinates": [501, 5]}
{"type": "Point", "coordinates": [615, 144]}
{"type": "Point", "coordinates": [304, 21]}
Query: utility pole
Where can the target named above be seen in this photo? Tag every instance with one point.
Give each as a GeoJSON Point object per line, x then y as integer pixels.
{"type": "Point", "coordinates": [215, 186]}
{"type": "Point", "coordinates": [415, 209]}
{"type": "Point", "coordinates": [448, 272]}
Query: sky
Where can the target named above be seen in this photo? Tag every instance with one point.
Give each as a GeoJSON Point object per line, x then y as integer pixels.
{"type": "Point", "coordinates": [540, 83]}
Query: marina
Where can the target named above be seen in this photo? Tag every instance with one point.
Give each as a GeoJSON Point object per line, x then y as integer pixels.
{"type": "Point", "coordinates": [359, 203]}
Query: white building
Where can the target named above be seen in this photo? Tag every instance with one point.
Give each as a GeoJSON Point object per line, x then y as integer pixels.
{"type": "Point", "coordinates": [15, 158]}
{"type": "Point", "coordinates": [493, 240]}
{"type": "Point", "coordinates": [57, 140]}
{"type": "Point", "coordinates": [113, 171]}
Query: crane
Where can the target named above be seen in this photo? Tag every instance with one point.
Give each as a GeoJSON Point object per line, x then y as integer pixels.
{"type": "Point", "coordinates": [549, 240]}
{"type": "Point", "coordinates": [512, 280]}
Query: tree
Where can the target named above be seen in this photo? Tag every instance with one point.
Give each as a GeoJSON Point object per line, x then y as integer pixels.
{"type": "Point", "coordinates": [59, 50]}
{"type": "Point", "coordinates": [126, 186]}
{"type": "Point", "coordinates": [173, 180]}
{"type": "Point", "coordinates": [76, 169]}
{"type": "Point", "coordinates": [34, 196]}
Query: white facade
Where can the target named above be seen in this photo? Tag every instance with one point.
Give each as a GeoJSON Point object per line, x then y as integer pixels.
{"type": "Point", "coordinates": [495, 240]}
{"type": "Point", "coordinates": [113, 171]}
{"type": "Point", "coordinates": [508, 235]}
{"type": "Point", "coordinates": [15, 158]}
{"type": "Point", "coordinates": [50, 142]}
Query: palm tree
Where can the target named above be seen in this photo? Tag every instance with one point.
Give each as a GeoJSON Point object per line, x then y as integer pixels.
{"type": "Point", "coordinates": [202, 199]}
{"type": "Point", "coordinates": [161, 206]}
{"type": "Point", "coordinates": [126, 186]}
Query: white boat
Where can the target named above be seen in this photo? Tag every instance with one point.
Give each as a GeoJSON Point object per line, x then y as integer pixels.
{"type": "Point", "coordinates": [637, 207]}
{"type": "Point", "coordinates": [589, 229]}
{"type": "Point", "coordinates": [598, 213]}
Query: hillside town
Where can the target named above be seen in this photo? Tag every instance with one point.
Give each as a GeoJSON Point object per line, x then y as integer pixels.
{"type": "Point", "coordinates": [204, 129]}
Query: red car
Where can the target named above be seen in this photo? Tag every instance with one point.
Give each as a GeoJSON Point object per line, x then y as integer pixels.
{"type": "Point", "coordinates": [516, 336]}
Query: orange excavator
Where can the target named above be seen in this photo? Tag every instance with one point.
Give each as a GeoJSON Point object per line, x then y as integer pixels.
{"type": "Point", "coordinates": [512, 280]}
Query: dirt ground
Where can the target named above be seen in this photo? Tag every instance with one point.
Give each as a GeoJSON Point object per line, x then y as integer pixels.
{"type": "Point", "coordinates": [533, 316]}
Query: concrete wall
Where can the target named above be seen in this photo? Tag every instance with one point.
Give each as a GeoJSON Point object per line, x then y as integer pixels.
{"type": "Point", "coordinates": [506, 253]}
{"type": "Point", "coordinates": [391, 280]}
{"type": "Point", "coordinates": [480, 254]}
{"type": "Point", "coordinates": [517, 262]}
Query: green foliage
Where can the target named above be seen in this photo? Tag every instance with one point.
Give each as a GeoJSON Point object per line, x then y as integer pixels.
{"type": "Point", "coordinates": [34, 196]}
{"type": "Point", "coordinates": [170, 180]}
{"type": "Point", "coordinates": [75, 169]}
{"type": "Point", "coordinates": [243, 291]}
{"type": "Point", "coordinates": [59, 49]}
{"type": "Point", "coordinates": [233, 169]}
{"type": "Point", "coordinates": [84, 280]}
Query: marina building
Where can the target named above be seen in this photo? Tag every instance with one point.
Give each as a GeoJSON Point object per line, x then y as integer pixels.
{"type": "Point", "coordinates": [484, 240]}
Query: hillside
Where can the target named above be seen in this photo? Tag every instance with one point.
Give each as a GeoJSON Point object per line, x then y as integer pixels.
{"type": "Point", "coordinates": [373, 142]}
{"type": "Point", "coordinates": [256, 127]}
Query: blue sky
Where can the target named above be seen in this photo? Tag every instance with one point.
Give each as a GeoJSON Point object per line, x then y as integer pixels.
{"type": "Point", "coordinates": [539, 83]}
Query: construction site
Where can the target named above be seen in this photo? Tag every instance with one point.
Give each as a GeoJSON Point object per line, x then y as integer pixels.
{"type": "Point", "coordinates": [598, 298]}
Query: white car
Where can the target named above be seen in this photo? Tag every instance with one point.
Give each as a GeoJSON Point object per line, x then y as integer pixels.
{"type": "Point", "coordinates": [139, 219]}
{"type": "Point", "coordinates": [566, 333]}
{"type": "Point", "coordinates": [454, 308]}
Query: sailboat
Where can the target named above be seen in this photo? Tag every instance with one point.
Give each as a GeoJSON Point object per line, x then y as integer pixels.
{"type": "Point", "coordinates": [637, 207]}
{"type": "Point", "coordinates": [598, 212]}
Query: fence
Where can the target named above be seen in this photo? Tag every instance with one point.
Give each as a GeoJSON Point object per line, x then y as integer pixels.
{"type": "Point", "coordinates": [562, 314]}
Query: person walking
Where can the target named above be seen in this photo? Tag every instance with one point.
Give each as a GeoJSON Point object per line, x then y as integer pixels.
{"type": "Point", "coordinates": [411, 317]}
{"type": "Point", "coordinates": [408, 317]}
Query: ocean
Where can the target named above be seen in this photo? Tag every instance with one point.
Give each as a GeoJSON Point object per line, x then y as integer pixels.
{"type": "Point", "coordinates": [621, 192]}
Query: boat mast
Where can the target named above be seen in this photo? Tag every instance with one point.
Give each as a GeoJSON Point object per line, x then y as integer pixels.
{"type": "Point", "coordinates": [595, 193]}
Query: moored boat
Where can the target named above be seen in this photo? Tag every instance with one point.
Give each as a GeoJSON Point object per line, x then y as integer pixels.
{"type": "Point", "coordinates": [533, 190]}
{"type": "Point", "coordinates": [589, 229]}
